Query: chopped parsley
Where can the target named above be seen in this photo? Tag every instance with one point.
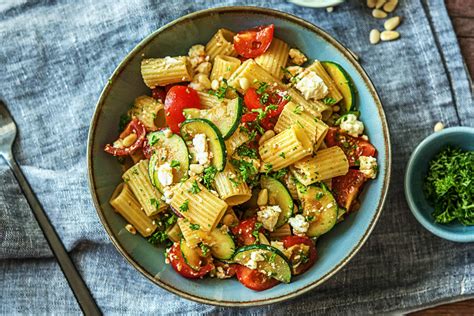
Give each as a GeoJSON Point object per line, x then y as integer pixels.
{"type": "Point", "coordinates": [282, 155]}
{"type": "Point", "coordinates": [264, 98]}
{"type": "Point", "coordinates": [250, 134]}
{"type": "Point", "coordinates": [279, 174]}
{"type": "Point", "coordinates": [247, 171]}
{"type": "Point", "coordinates": [309, 218]}
{"type": "Point", "coordinates": [246, 151]}
{"type": "Point", "coordinates": [319, 195]}
{"type": "Point", "coordinates": [204, 249]}
{"type": "Point", "coordinates": [194, 188]}
{"type": "Point", "coordinates": [160, 235]}
{"type": "Point", "coordinates": [175, 164]}
{"type": "Point", "coordinates": [222, 91]}
{"type": "Point", "coordinates": [298, 110]}
{"type": "Point", "coordinates": [449, 186]}
{"type": "Point", "coordinates": [208, 177]}
{"type": "Point", "coordinates": [329, 101]}
{"type": "Point", "coordinates": [194, 226]}
{"type": "Point", "coordinates": [262, 87]}
{"type": "Point", "coordinates": [256, 231]}
{"type": "Point", "coordinates": [302, 189]}
{"type": "Point", "coordinates": [124, 120]}
{"type": "Point", "coordinates": [154, 202]}
{"type": "Point", "coordinates": [268, 167]}
{"type": "Point", "coordinates": [271, 259]}
{"type": "Point", "coordinates": [185, 206]}
{"type": "Point", "coordinates": [235, 183]}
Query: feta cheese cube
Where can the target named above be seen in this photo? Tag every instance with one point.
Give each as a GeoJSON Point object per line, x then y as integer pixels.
{"type": "Point", "coordinates": [268, 216]}
{"type": "Point", "coordinates": [299, 224]}
{"type": "Point", "coordinates": [352, 125]}
{"type": "Point", "coordinates": [368, 166]}
{"type": "Point", "coordinates": [311, 86]}
{"type": "Point", "coordinates": [297, 57]}
{"type": "Point", "coordinates": [165, 174]}
{"type": "Point", "coordinates": [255, 257]}
{"type": "Point", "coordinates": [200, 145]}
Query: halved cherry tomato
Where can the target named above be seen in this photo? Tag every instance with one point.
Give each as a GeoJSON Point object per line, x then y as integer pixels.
{"type": "Point", "coordinates": [249, 117]}
{"type": "Point", "coordinates": [346, 188]}
{"type": "Point", "coordinates": [177, 99]}
{"type": "Point", "coordinates": [135, 126]}
{"type": "Point", "coordinates": [254, 279]}
{"type": "Point", "coordinates": [353, 147]}
{"type": "Point", "coordinates": [179, 265]}
{"type": "Point", "coordinates": [159, 93]}
{"type": "Point", "coordinates": [252, 99]}
{"type": "Point", "coordinates": [301, 260]}
{"type": "Point", "coordinates": [229, 269]}
{"type": "Point", "coordinates": [254, 42]}
{"type": "Point", "coordinates": [147, 150]}
{"type": "Point", "coordinates": [243, 231]}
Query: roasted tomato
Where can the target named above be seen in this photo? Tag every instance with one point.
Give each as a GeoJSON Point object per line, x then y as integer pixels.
{"type": "Point", "coordinates": [303, 253]}
{"type": "Point", "coordinates": [346, 188]}
{"type": "Point", "coordinates": [134, 127]}
{"type": "Point", "coordinates": [254, 279]}
{"type": "Point", "coordinates": [245, 231]}
{"type": "Point", "coordinates": [353, 147]}
{"type": "Point", "coordinates": [177, 99]}
{"type": "Point", "coordinates": [180, 266]}
{"type": "Point", "coordinates": [254, 42]}
{"type": "Point", "coordinates": [159, 93]}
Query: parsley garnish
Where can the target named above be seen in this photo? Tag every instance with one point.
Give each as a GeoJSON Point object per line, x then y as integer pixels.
{"type": "Point", "coordinates": [245, 130]}
{"type": "Point", "coordinates": [248, 172]}
{"type": "Point", "coordinates": [329, 101]}
{"type": "Point", "coordinates": [246, 151]}
{"type": "Point", "coordinates": [185, 206]}
{"type": "Point", "coordinates": [262, 87]}
{"type": "Point", "coordinates": [235, 183]}
{"type": "Point", "coordinates": [309, 218]}
{"type": "Point", "coordinates": [271, 259]}
{"type": "Point", "coordinates": [256, 231]}
{"type": "Point", "coordinates": [194, 188]}
{"type": "Point", "coordinates": [268, 167]}
{"type": "Point", "coordinates": [208, 177]}
{"type": "Point", "coordinates": [319, 195]}
{"type": "Point", "coordinates": [298, 110]}
{"type": "Point", "coordinates": [222, 91]}
{"type": "Point", "coordinates": [160, 235]}
{"type": "Point", "coordinates": [204, 249]}
{"type": "Point", "coordinates": [194, 226]}
{"type": "Point", "coordinates": [175, 164]}
{"type": "Point", "coordinates": [154, 202]}
{"type": "Point", "coordinates": [279, 174]}
{"type": "Point", "coordinates": [282, 155]}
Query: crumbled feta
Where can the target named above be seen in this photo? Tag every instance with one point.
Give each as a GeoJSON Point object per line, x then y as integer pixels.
{"type": "Point", "coordinates": [311, 86]}
{"type": "Point", "coordinates": [200, 82]}
{"type": "Point", "coordinates": [255, 257]}
{"type": "Point", "coordinates": [167, 195]}
{"type": "Point", "coordinates": [197, 50]}
{"type": "Point", "coordinates": [165, 174]}
{"type": "Point", "coordinates": [170, 61]}
{"type": "Point", "coordinates": [200, 145]}
{"type": "Point", "coordinates": [299, 224]}
{"type": "Point", "coordinates": [352, 125]}
{"type": "Point", "coordinates": [368, 166]}
{"type": "Point", "coordinates": [204, 68]}
{"type": "Point", "coordinates": [297, 57]}
{"type": "Point", "coordinates": [268, 216]}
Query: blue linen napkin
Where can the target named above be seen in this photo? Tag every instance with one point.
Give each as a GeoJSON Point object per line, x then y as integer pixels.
{"type": "Point", "coordinates": [57, 55]}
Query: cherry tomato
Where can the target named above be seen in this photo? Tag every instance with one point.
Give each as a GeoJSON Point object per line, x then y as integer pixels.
{"type": "Point", "coordinates": [159, 93]}
{"type": "Point", "coordinates": [177, 99]}
{"type": "Point", "coordinates": [147, 150]}
{"type": "Point", "coordinates": [180, 266]}
{"type": "Point", "coordinates": [243, 231]}
{"type": "Point", "coordinates": [346, 188]}
{"type": "Point", "coordinates": [254, 42]}
{"type": "Point", "coordinates": [252, 99]}
{"type": "Point", "coordinates": [229, 269]}
{"type": "Point", "coordinates": [249, 117]}
{"type": "Point", "coordinates": [353, 147]}
{"type": "Point", "coordinates": [254, 279]}
{"type": "Point", "coordinates": [135, 126]}
{"type": "Point", "coordinates": [306, 259]}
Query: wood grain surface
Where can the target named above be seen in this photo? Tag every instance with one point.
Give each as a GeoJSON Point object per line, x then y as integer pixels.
{"type": "Point", "coordinates": [462, 16]}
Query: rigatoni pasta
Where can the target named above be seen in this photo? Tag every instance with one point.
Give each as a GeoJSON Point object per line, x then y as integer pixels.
{"type": "Point", "coordinates": [221, 44]}
{"type": "Point", "coordinates": [223, 67]}
{"type": "Point", "coordinates": [149, 111]}
{"type": "Point", "coordinates": [191, 233]}
{"type": "Point", "coordinates": [231, 189]}
{"type": "Point", "coordinates": [275, 58]}
{"type": "Point", "coordinates": [165, 71]}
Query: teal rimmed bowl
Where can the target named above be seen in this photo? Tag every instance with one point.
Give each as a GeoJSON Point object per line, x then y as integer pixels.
{"type": "Point", "coordinates": [416, 171]}
{"type": "Point", "coordinates": [335, 249]}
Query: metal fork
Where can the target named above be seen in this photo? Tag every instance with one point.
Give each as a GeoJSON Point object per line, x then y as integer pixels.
{"type": "Point", "coordinates": [81, 292]}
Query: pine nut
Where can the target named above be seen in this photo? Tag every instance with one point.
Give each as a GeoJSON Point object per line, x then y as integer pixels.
{"type": "Point", "coordinates": [215, 84]}
{"type": "Point", "coordinates": [439, 126]}
{"type": "Point", "coordinates": [228, 220]}
{"type": "Point", "coordinates": [371, 3]}
{"type": "Point", "coordinates": [390, 5]}
{"type": "Point", "coordinates": [389, 35]}
{"type": "Point", "coordinates": [374, 36]}
{"type": "Point", "coordinates": [204, 81]}
{"type": "Point", "coordinates": [130, 229]}
{"type": "Point", "coordinates": [266, 136]}
{"type": "Point", "coordinates": [336, 108]}
{"type": "Point", "coordinates": [380, 3]}
{"type": "Point", "coordinates": [329, 9]}
{"type": "Point", "coordinates": [262, 198]}
{"type": "Point", "coordinates": [129, 140]}
{"type": "Point", "coordinates": [379, 14]}
{"type": "Point", "coordinates": [244, 83]}
{"type": "Point", "coordinates": [392, 23]}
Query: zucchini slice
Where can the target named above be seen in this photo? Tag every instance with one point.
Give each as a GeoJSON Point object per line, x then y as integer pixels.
{"type": "Point", "coordinates": [278, 193]}
{"type": "Point", "coordinates": [223, 246]}
{"type": "Point", "coordinates": [170, 149]}
{"type": "Point", "coordinates": [190, 255]}
{"type": "Point", "coordinates": [344, 84]}
{"type": "Point", "coordinates": [274, 263]}
{"type": "Point", "coordinates": [192, 127]}
{"type": "Point", "coordinates": [320, 207]}
{"type": "Point", "coordinates": [226, 117]}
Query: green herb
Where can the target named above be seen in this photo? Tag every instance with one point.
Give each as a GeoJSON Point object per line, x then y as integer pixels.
{"type": "Point", "coordinates": [298, 110]}
{"type": "Point", "coordinates": [287, 97]}
{"type": "Point", "coordinates": [208, 177]}
{"type": "Point", "coordinates": [319, 195]}
{"type": "Point", "coordinates": [272, 257]}
{"type": "Point", "coordinates": [279, 174]}
{"type": "Point", "coordinates": [152, 139]}
{"type": "Point", "coordinates": [309, 218]}
{"type": "Point", "coordinates": [185, 206]}
{"type": "Point", "coordinates": [124, 120]}
{"type": "Point", "coordinates": [449, 186]}
{"type": "Point", "coordinates": [344, 117]}
{"type": "Point", "coordinates": [268, 167]}
{"type": "Point", "coordinates": [247, 171]}
{"type": "Point", "coordinates": [302, 189]}
{"type": "Point", "coordinates": [251, 134]}
{"type": "Point", "coordinates": [175, 164]}
{"type": "Point", "coordinates": [194, 188]}
{"type": "Point", "coordinates": [304, 257]}
{"type": "Point", "coordinates": [262, 87]}
{"type": "Point", "coordinates": [282, 155]}
{"type": "Point", "coordinates": [204, 249]}
{"type": "Point", "coordinates": [222, 91]}
{"type": "Point", "coordinates": [235, 183]}
{"type": "Point", "coordinates": [256, 231]}
{"type": "Point", "coordinates": [194, 226]}
{"type": "Point", "coordinates": [329, 101]}
{"type": "Point", "coordinates": [246, 151]}
{"type": "Point", "coordinates": [264, 98]}
{"type": "Point", "coordinates": [154, 202]}
{"type": "Point", "coordinates": [160, 235]}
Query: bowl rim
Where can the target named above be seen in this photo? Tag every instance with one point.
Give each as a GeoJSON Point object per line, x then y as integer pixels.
{"type": "Point", "coordinates": [251, 10]}
{"type": "Point", "coordinates": [431, 226]}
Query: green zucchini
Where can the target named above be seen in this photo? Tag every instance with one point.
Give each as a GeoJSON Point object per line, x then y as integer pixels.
{"type": "Point", "coordinates": [191, 256]}
{"type": "Point", "coordinates": [170, 149]}
{"type": "Point", "coordinates": [278, 193]}
{"type": "Point", "coordinates": [223, 246]}
{"type": "Point", "coordinates": [274, 262]}
{"type": "Point", "coordinates": [344, 84]}
{"type": "Point", "coordinates": [192, 127]}
{"type": "Point", "coordinates": [226, 117]}
{"type": "Point", "coordinates": [319, 207]}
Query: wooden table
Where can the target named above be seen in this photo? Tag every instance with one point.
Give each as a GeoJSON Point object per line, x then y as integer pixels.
{"type": "Point", "coordinates": [462, 16]}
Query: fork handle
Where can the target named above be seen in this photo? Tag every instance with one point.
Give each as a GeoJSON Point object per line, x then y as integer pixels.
{"type": "Point", "coordinates": [79, 288]}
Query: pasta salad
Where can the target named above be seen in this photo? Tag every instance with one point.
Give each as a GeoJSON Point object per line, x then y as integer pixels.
{"type": "Point", "coordinates": [242, 156]}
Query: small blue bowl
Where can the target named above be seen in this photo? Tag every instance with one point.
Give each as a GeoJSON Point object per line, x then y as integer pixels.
{"type": "Point", "coordinates": [416, 171]}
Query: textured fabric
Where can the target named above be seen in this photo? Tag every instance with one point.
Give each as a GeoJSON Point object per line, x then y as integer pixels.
{"type": "Point", "coordinates": [55, 58]}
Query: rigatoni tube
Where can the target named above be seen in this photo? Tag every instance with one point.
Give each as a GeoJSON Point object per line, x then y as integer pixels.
{"type": "Point", "coordinates": [231, 189]}
{"type": "Point", "coordinates": [222, 43]}
{"type": "Point", "coordinates": [165, 71]}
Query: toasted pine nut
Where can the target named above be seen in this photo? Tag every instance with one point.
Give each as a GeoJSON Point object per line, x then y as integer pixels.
{"type": "Point", "coordinates": [392, 23]}
{"type": "Point", "coordinates": [374, 36]}
{"type": "Point", "coordinates": [204, 80]}
{"type": "Point", "coordinates": [379, 3]}
{"type": "Point", "coordinates": [129, 140]}
{"type": "Point", "coordinates": [215, 84]}
{"type": "Point", "coordinates": [439, 126]}
{"type": "Point", "coordinates": [336, 108]}
{"type": "Point", "coordinates": [389, 35]}
{"type": "Point", "coordinates": [390, 5]}
{"type": "Point", "coordinates": [329, 9]}
{"type": "Point", "coordinates": [262, 198]}
{"type": "Point", "coordinates": [271, 200]}
{"type": "Point", "coordinates": [266, 136]}
{"type": "Point", "coordinates": [379, 14]}
{"type": "Point", "coordinates": [371, 3]}
{"type": "Point", "coordinates": [244, 83]}
{"type": "Point", "coordinates": [228, 220]}
{"type": "Point", "coordinates": [130, 229]}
